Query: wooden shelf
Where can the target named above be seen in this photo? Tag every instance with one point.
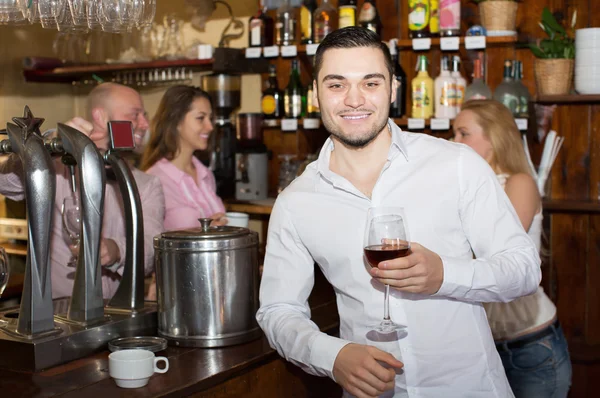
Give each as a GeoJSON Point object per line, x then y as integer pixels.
{"type": "Point", "coordinates": [489, 40]}
{"type": "Point", "coordinates": [568, 99]}
{"type": "Point", "coordinates": [571, 206]}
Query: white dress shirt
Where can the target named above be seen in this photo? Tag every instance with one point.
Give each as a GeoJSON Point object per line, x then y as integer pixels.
{"type": "Point", "coordinates": [453, 204]}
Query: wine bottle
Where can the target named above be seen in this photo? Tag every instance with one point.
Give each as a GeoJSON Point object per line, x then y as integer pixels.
{"type": "Point", "coordinates": [398, 107]}
{"type": "Point", "coordinates": [272, 98]}
{"type": "Point", "coordinates": [260, 28]}
{"type": "Point", "coordinates": [292, 96]}
{"type": "Point", "coordinates": [306, 21]}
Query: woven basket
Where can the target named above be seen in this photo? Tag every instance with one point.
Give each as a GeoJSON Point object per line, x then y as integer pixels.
{"type": "Point", "coordinates": [553, 76]}
{"type": "Point", "coordinates": [498, 15]}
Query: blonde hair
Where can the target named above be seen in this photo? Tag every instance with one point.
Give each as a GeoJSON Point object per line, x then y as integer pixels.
{"type": "Point", "coordinates": [498, 125]}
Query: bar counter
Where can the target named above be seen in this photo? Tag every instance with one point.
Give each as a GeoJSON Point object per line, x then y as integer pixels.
{"type": "Point", "coordinates": [252, 369]}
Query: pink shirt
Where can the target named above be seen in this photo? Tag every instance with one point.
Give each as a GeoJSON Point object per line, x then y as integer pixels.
{"type": "Point", "coordinates": [186, 201]}
{"type": "Point", "coordinates": [113, 226]}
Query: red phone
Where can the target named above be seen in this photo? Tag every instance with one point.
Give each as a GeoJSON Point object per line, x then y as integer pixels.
{"type": "Point", "coordinates": [121, 135]}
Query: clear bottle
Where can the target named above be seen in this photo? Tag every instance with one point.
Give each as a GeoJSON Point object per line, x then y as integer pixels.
{"type": "Point", "coordinates": [459, 82]}
{"type": "Point", "coordinates": [285, 27]}
{"type": "Point", "coordinates": [369, 17]}
{"type": "Point", "coordinates": [307, 11]}
{"type": "Point", "coordinates": [506, 91]}
{"type": "Point", "coordinates": [445, 92]}
{"type": "Point", "coordinates": [418, 18]}
{"type": "Point", "coordinates": [398, 107]}
{"type": "Point", "coordinates": [523, 92]}
{"type": "Point", "coordinates": [477, 89]}
{"type": "Point", "coordinates": [292, 96]}
{"type": "Point", "coordinates": [272, 97]}
{"type": "Point", "coordinates": [422, 91]}
{"type": "Point", "coordinates": [325, 20]}
{"type": "Point", "coordinates": [347, 12]}
{"type": "Point", "coordinates": [260, 28]}
{"type": "Point", "coordinates": [449, 18]}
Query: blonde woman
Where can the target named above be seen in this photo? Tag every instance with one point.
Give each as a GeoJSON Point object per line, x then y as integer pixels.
{"type": "Point", "coordinates": [528, 336]}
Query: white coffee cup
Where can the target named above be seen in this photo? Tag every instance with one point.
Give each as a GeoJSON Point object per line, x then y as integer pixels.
{"type": "Point", "coordinates": [133, 368]}
{"type": "Point", "coordinates": [237, 219]}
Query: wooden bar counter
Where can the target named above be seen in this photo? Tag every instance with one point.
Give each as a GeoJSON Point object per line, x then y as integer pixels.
{"type": "Point", "coordinates": [252, 369]}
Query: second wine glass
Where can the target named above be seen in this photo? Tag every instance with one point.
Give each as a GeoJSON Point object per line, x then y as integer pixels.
{"type": "Point", "coordinates": [386, 238]}
{"type": "Point", "coordinates": [71, 216]}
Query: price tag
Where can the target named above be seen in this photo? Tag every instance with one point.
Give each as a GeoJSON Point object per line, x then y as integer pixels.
{"type": "Point", "coordinates": [289, 124]}
{"type": "Point", "coordinates": [440, 124]}
{"type": "Point", "coordinates": [421, 44]}
{"type": "Point", "coordinates": [474, 42]}
{"type": "Point", "coordinates": [311, 49]}
{"type": "Point", "coordinates": [253, 52]}
{"type": "Point", "coordinates": [449, 43]}
{"type": "Point", "coordinates": [270, 122]}
{"type": "Point", "coordinates": [310, 123]}
{"type": "Point", "coordinates": [271, 51]}
{"type": "Point", "coordinates": [521, 124]}
{"type": "Point", "coordinates": [289, 51]}
{"type": "Point", "coordinates": [416, 124]}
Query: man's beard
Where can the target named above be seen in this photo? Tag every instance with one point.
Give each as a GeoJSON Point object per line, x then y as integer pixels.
{"type": "Point", "coordinates": [354, 142]}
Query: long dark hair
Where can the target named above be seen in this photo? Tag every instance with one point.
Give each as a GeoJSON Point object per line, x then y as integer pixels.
{"type": "Point", "coordinates": [174, 105]}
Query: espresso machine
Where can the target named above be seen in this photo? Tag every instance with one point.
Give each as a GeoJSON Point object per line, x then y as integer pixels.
{"type": "Point", "coordinates": [252, 159]}
{"type": "Point", "coordinates": [225, 92]}
{"type": "Point", "coordinates": [43, 332]}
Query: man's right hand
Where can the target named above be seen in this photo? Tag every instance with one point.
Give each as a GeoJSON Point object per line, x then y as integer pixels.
{"type": "Point", "coordinates": [357, 370]}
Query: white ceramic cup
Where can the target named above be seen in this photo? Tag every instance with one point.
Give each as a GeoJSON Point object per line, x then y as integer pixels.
{"type": "Point", "coordinates": [133, 368]}
{"type": "Point", "coordinates": [237, 219]}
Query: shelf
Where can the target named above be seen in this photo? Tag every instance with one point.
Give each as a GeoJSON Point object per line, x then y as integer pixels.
{"type": "Point", "coordinates": [568, 99]}
{"type": "Point", "coordinates": [403, 122]}
{"type": "Point", "coordinates": [494, 41]}
{"type": "Point", "coordinates": [571, 206]}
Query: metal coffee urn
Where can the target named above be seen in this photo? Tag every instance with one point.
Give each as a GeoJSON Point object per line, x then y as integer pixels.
{"type": "Point", "coordinates": [207, 282]}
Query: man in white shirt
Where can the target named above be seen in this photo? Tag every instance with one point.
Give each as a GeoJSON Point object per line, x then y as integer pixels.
{"type": "Point", "coordinates": [454, 208]}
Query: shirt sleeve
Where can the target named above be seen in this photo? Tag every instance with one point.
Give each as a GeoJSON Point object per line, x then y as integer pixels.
{"type": "Point", "coordinates": [284, 314]}
{"type": "Point", "coordinates": [507, 264]}
{"type": "Point", "coordinates": [11, 184]}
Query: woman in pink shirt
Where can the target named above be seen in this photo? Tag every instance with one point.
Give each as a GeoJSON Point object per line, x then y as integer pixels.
{"type": "Point", "coordinates": [181, 126]}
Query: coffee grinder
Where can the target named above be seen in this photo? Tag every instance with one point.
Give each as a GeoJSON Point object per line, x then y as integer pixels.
{"type": "Point", "coordinates": [252, 160]}
{"type": "Point", "coordinates": [225, 92]}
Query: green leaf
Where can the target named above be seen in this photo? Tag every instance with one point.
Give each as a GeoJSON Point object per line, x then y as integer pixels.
{"type": "Point", "coordinates": [551, 22]}
{"type": "Point", "coordinates": [536, 51]}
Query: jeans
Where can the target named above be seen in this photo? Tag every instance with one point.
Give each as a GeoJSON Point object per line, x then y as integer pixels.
{"type": "Point", "coordinates": [540, 369]}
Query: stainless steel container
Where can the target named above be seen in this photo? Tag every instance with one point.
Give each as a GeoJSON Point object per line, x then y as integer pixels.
{"type": "Point", "coordinates": [207, 284]}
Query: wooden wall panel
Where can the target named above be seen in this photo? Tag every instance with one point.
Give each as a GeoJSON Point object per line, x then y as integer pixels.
{"type": "Point", "coordinates": [592, 286]}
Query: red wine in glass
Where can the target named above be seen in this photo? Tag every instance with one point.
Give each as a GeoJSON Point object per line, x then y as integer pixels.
{"type": "Point", "coordinates": [378, 253]}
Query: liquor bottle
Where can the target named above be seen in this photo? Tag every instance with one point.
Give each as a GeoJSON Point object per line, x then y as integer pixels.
{"type": "Point", "coordinates": [325, 20]}
{"type": "Point", "coordinates": [459, 82]}
{"type": "Point", "coordinates": [477, 89]}
{"type": "Point", "coordinates": [261, 28]}
{"type": "Point", "coordinates": [449, 18]}
{"type": "Point", "coordinates": [506, 91]}
{"type": "Point", "coordinates": [292, 96]}
{"type": "Point", "coordinates": [272, 98]}
{"type": "Point", "coordinates": [347, 11]}
{"type": "Point", "coordinates": [369, 17]}
{"type": "Point", "coordinates": [523, 92]}
{"type": "Point", "coordinates": [434, 18]}
{"type": "Point", "coordinates": [445, 92]}
{"type": "Point", "coordinates": [418, 18]}
{"type": "Point", "coordinates": [285, 27]}
{"type": "Point", "coordinates": [312, 110]}
{"type": "Point", "coordinates": [422, 91]}
{"type": "Point", "coordinates": [398, 107]}
{"type": "Point", "coordinates": [306, 21]}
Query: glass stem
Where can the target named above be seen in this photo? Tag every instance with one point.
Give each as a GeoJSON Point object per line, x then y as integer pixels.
{"type": "Point", "coordinates": [386, 304]}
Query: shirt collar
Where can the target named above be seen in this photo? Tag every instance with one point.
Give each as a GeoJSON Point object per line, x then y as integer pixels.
{"type": "Point", "coordinates": [398, 146]}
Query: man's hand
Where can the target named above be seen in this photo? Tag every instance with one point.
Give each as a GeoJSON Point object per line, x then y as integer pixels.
{"type": "Point", "coordinates": [421, 271]}
{"type": "Point", "coordinates": [109, 252]}
{"type": "Point", "coordinates": [357, 370]}
{"type": "Point", "coordinates": [218, 219]}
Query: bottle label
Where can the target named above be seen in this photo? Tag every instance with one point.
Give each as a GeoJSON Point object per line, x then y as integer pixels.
{"type": "Point", "coordinates": [293, 105]}
{"type": "Point", "coordinates": [420, 96]}
{"type": "Point", "coordinates": [347, 17]}
{"type": "Point", "coordinates": [460, 95]}
{"type": "Point", "coordinates": [255, 27]}
{"type": "Point", "coordinates": [268, 104]}
{"type": "Point", "coordinates": [449, 14]}
{"type": "Point", "coordinates": [306, 23]}
{"type": "Point", "coordinates": [418, 17]}
{"type": "Point", "coordinates": [367, 13]}
{"type": "Point", "coordinates": [448, 94]}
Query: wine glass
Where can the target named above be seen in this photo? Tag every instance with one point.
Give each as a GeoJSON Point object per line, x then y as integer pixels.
{"type": "Point", "coordinates": [4, 270]}
{"type": "Point", "coordinates": [71, 216]}
{"type": "Point", "coordinates": [386, 238]}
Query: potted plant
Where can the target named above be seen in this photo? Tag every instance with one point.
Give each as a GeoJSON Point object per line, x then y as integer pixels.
{"type": "Point", "coordinates": [553, 67]}
{"type": "Point", "coordinates": [498, 16]}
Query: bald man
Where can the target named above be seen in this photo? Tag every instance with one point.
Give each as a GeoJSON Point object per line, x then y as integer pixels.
{"type": "Point", "coordinates": [106, 102]}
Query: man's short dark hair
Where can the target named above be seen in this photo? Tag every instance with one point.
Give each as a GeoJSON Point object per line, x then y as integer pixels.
{"type": "Point", "coordinates": [352, 37]}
